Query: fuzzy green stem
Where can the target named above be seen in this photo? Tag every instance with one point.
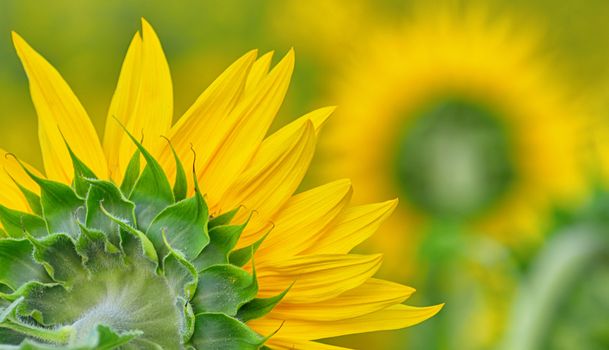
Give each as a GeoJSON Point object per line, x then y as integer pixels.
{"type": "Point", "coordinates": [558, 266]}
{"type": "Point", "coordinates": [57, 336]}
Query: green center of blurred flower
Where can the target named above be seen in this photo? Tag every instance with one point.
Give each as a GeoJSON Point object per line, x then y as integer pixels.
{"type": "Point", "coordinates": [454, 159]}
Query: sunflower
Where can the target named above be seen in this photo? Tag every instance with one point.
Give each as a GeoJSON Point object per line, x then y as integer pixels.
{"type": "Point", "coordinates": [457, 112]}
{"type": "Point", "coordinates": [97, 253]}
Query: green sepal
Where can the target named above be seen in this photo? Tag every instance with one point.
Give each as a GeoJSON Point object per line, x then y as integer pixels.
{"type": "Point", "coordinates": [32, 199]}
{"type": "Point", "coordinates": [242, 256]}
{"type": "Point", "coordinates": [81, 173]}
{"type": "Point", "coordinates": [214, 331]}
{"type": "Point", "coordinates": [180, 186]}
{"type": "Point", "coordinates": [57, 253]}
{"type": "Point", "coordinates": [17, 264]}
{"type": "Point", "coordinates": [180, 273]}
{"type": "Point", "coordinates": [96, 250]}
{"type": "Point", "coordinates": [60, 205]}
{"type": "Point", "coordinates": [224, 288]}
{"type": "Point", "coordinates": [105, 193]}
{"type": "Point", "coordinates": [259, 307]}
{"type": "Point", "coordinates": [185, 223]}
{"type": "Point", "coordinates": [16, 222]}
{"type": "Point", "coordinates": [151, 192]}
{"type": "Point", "coordinates": [130, 237]}
{"type": "Point", "coordinates": [223, 219]}
{"type": "Point", "coordinates": [222, 239]}
{"type": "Point", "coordinates": [132, 173]}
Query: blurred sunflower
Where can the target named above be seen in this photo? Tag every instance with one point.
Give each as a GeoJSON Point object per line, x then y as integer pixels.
{"type": "Point", "coordinates": [459, 113]}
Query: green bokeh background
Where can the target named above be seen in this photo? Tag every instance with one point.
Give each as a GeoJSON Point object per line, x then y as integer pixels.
{"type": "Point", "coordinates": [87, 40]}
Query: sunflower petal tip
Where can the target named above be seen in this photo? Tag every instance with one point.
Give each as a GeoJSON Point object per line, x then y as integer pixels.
{"type": "Point", "coordinates": [145, 23]}
{"type": "Point", "coordinates": [435, 309]}
{"type": "Point", "coordinates": [394, 202]}
{"type": "Point", "coordinates": [290, 56]}
{"type": "Point", "coordinates": [18, 42]}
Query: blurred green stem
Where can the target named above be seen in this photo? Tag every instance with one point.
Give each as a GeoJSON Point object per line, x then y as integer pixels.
{"type": "Point", "coordinates": [558, 267]}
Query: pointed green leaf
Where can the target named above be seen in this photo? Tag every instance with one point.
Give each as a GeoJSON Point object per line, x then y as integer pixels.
{"type": "Point", "coordinates": [81, 173]}
{"type": "Point", "coordinates": [221, 332]}
{"type": "Point", "coordinates": [185, 224]}
{"type": "Point", "coordinates": [60, 204]}
{"type": "Point", "coordinates": [223, 219]}
{"type": "Point", "coordinates": [61, 207]}
{"type": "Point", "coordinates": [181, 274]}
{"type": "Point", "coordinates": [222, 239]}
{"type": "Point", "coordinates": [131, 174]}
{"type": "Point", "coordinates": [151, 192]}
{"type": "Point", "coordinates": [97, 252]}
{"type": "Point", "coordinates": [224, 288]}
{"type": "Point", "coordinates": [33, 200]}
{"type": "Point", "coordinates": [16, 222]}
{"type": "Point", "coordinates": [242, 256]}
{"type": "Point", "coordinates": [260, 307]}
{"type": "Point", "coordinates": [17, 264]}
{"type": "Point", "coordinates": [180, 185]}
{"type": "Point", "coordinates": [133, 240]}
{"type": "Point", "coordinates": [107, 194]}
{"type": "Point", "coordinates": [57, 253]}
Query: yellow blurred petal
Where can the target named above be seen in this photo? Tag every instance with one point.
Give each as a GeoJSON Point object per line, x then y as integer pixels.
{"type": "Point", "coordinates": [316, 277]}
{"type": "Point", "coordinates": [298, 344]}
{"type": "Point", "coordinates": [11, 172]}
{"type": "Point", "coordinates": [242, 132]}
{"type": "Point", "coordinates": [373, 295]}
{"type": "Point", "coordinates": [271, 178]}
{"type": "Point", "coordinates": [200, 124]}
{"type": "Point", "coordinates": [59, 111]}
{"type": "Point", "coordinates": [300, 221]}
{"type": "Point", "coordinates": [393, 317]}
{"type": "Point", "coordinates": [142, 101]}
{"type": "Point", "coordinates": [354, 226]}
{"type": "Point", "coordinates": [259, 70]}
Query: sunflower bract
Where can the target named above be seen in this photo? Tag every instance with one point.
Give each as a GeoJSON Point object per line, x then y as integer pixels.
{"type": "Point", "coordinates": [101, 268]}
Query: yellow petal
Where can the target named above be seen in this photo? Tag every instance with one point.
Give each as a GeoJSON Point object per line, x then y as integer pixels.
{"type": "Point", "coordinates": [259, 70]}
{"type": "Point", "coordinates": [393, 317]}
{"type": "Point", "coordinates": [318, 117]}
{"type": "Point", "coordinates": [275, 149]}
{"type": "Point", "coordinates": [316, 277]}
{"type": "Point", "coordinates": [278, 343]}
{"type": "Point", "coordinates": [373, 295]}
{"type": "Point", "coordinates": [353, 227]}
{"type": "Point", "coordinates": [142, 101]}
{"type": "Point", "coordinates": [10, 174]}
{"type": "Point", "coordinates": [59, 111]}
{"type": "Point", "coordinates": [200, 124]}
{"type": "Point", "coordinates": [271, 179]}
{"type": "Point", "coordinates": [305, 215]}
{"type": "Point", "coordinates": [242, 132]}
